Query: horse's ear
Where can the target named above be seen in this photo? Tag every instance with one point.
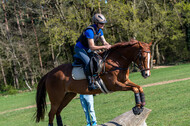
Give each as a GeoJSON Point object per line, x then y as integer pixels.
{"type": "Point", "coordinates": [150, 43]}
{"type": "Point", "coordinates": [140, 44]}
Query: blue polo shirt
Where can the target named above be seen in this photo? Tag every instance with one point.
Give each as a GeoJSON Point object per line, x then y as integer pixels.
{"type": "Point", "coordinates": [90, 34]}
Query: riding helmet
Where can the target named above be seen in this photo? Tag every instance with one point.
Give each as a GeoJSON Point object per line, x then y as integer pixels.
{"type": "Point", "coordinates": [99, 18]}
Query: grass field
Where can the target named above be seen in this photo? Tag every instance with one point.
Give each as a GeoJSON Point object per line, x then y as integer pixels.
{"type": "Point", "coordinates": [170, 103]}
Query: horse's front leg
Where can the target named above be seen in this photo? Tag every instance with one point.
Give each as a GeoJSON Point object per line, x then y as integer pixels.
{"type": "Point", "coordinates": [139, 97]}
{"type": "Point", "coordinates": [138, 91]}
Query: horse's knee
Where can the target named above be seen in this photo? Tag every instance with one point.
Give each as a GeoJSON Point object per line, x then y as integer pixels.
{"type": "Point", "coordinates": [141, 90]}
{"type": "Point", "coordinates": [135, 90]}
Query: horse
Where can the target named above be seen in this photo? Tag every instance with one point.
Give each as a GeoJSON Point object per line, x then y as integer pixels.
{"type": "Point", "coordinates": [62, 88]}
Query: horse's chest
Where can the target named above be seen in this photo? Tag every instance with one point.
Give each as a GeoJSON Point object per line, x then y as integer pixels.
{"type": "Point", "coordinates": [122, 76]}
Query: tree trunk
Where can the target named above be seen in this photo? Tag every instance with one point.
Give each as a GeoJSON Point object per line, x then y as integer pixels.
{"type": "Point", "coordinates": [20, 14]}
{"type": "Point", "coordinates": [3, 74]}
{"type": "Point", "coordinates": [15, 73]}
{"type": "Point", "coordinates": [157, 55]}
{"type": "Point", "coordinates": [152, 50]}
{"type": "Point", "coordinates": [5, 14]}
{"type": "Point", "coordinates": [163, 58]}
{"type": "Point", "coordinates": [55, 63]}
{"type": "Point", "coordinates": [37, 45]}
{"type": "Point", "coordinates": [26, 82]}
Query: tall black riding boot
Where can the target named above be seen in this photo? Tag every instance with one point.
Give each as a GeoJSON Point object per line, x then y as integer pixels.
{"type": "Point", "coordinates": [91, 85]}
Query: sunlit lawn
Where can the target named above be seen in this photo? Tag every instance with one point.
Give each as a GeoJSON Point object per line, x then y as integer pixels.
{"type": "Point", "coordinates": [170, 103]}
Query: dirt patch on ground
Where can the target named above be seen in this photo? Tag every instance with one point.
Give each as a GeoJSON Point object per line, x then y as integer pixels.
{"type": "Point", "coordinates": [165, 82]}
{"type": "Point", "coordinates": [157, 67]}
{"type": "Point", "coordinates": [32, 106]}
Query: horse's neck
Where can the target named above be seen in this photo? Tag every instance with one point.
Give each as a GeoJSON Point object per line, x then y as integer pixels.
{"type": "Point", "coordinates": [123, 58]}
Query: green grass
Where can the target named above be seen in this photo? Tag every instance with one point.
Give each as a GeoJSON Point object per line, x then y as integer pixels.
{"type": "Point", "coordinates": [162, 74]}
{"type": "Point", "coordinates": [10, 102]}
{"type": "Point", "coordinates": [170, 103]}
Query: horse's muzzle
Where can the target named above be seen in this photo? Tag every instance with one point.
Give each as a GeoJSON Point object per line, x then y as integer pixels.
{"type": "Point", "coordinates": [145, 73]}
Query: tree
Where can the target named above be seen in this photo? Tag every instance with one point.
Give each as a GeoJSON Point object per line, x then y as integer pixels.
{"type": "Point", "coordinates": [36, 36]}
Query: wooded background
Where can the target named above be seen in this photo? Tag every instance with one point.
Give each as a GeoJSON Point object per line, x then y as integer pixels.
{"type": "Point", "coordinates": [38, 35]}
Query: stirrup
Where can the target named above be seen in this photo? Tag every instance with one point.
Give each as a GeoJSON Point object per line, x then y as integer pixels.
{"type": "Point", "coordinates": [92, 87]}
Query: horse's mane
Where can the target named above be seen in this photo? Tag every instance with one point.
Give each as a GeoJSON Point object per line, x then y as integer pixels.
{"type": "Point", "coordinates": [119, 45]}
{"type": "Point", "coordinates": [124, 44]}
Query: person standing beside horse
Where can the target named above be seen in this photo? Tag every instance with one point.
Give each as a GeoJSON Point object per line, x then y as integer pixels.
{"type": "Point", "coordinates": [86, 44]}
{"type": "Point", "coordinates": [87, 102]}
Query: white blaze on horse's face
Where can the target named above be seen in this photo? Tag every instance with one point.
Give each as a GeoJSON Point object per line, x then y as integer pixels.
{"type": "Point", "coordinates": [145, 65]}
{"type": "Point", "coordinates": [148, 65]}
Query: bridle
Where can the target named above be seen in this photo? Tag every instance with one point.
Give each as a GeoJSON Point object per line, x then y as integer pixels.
{"type": "Point", "coordinates": [138, 57]}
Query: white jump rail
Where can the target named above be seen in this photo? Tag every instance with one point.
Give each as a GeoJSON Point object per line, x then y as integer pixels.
{"type": "Point", "coordinates": [129, 119]}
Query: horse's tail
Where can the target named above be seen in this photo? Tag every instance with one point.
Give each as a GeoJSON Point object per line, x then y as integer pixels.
{"type": "Point", "coordinates": [41, 99]}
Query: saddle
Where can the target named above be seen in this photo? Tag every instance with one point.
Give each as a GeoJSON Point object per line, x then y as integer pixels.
{"type": "Point", "coordinates": [96, 63]}
{"type": "Point", "coordinates": [96, 66]}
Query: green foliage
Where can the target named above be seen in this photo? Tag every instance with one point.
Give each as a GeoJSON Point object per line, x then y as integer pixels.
{"type": "Point", "coordinates": [58, 24]}
{"type": "Point", "coordinates": [8, 90]}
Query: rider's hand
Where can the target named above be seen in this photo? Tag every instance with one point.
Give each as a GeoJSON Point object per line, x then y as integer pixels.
{"type": "Point", "coordinates": [107, 46]}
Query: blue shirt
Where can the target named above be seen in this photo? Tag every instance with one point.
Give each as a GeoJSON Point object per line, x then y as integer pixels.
{"type": "Point", "coordinates": [90, 34]}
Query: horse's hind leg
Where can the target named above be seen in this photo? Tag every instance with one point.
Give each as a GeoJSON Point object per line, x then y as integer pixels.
{"type": "Point", "coordinates": [68, 97]}
{"type": "Point", "coordinates": [52, 113]}
{"type": "Point", "coordinates": [56, 101]}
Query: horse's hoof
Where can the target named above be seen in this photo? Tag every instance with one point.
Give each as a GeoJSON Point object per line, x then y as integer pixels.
{"type": "Point", "coordinates": [143, 104]}
{"type": "Point", "coordinates": [137, 111]}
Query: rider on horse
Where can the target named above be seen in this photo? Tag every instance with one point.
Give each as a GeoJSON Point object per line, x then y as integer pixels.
{"type": "Point", "coordinates": [86, 44]}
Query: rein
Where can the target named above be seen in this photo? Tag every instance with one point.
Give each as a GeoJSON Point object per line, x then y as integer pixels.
{"type": "Point", "coordinates": [115, 67]}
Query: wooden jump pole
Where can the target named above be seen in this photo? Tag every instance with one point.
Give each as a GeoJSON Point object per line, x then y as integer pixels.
{"type": "Point", "coordinates": [129, 119]}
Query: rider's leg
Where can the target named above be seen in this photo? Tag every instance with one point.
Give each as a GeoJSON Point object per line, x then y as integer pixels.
{"type": "Point", "coordinates": [86, 60]}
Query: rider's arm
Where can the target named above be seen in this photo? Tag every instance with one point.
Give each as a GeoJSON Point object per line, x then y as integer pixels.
{"type": "Point", "coordinates": [103, 40]}
{"type": "Point", "coordinates": [93, 47]}
{"type": "Point", "coordinates": [90, 35]}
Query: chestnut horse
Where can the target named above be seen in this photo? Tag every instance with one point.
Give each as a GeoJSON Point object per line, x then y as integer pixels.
{"type": "Point", "coordinates": [62, 88]}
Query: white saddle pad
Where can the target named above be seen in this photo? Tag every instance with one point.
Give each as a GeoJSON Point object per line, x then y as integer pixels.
{"type": "Point", "coordinates": [78, 73]}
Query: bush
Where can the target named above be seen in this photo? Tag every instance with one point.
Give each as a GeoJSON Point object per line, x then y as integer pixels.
{"type": "Point", "coordinates": [9, 90]}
